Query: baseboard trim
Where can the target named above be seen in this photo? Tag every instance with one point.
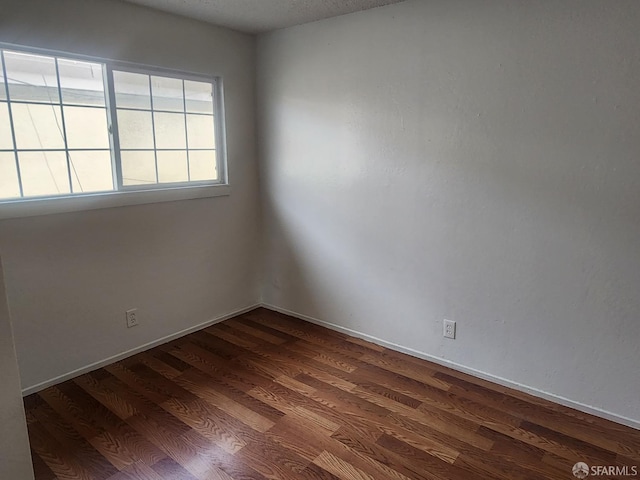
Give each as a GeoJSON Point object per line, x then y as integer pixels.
{"type": "Point", "coordinates": [464, 369]}
{"type": "Point", "coordinates": [133, 351]}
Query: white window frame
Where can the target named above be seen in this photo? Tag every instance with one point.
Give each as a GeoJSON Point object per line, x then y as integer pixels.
{"type": "Point", "coordinates": [124, 195]}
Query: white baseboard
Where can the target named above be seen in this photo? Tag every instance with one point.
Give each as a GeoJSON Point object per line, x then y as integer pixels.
{"type": "Point", "coordinates": [416, 353]}
{"type": "Point", "coordinates": [471, 371]}
{"type": "Point", "coordinates": [133, 351]}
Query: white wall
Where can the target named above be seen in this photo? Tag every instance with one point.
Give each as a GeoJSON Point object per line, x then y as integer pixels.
{"type": "Point", "coordinates": [465, 160]}
{"type": "Point", "coordinates": [70, 277]}
{"type": "Point", "coordinates": [476, 161]}
{"type": "Point", "coordinates": [15, 458]}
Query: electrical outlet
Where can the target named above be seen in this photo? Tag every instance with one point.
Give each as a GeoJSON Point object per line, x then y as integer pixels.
{"type": "Point", "coordinates": [132, 318]}
{"type": "Point", "coordinates": [449, 330]}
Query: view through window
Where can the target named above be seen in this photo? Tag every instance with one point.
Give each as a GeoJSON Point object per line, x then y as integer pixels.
{"type": "Point", "coordinates": [70, 127]}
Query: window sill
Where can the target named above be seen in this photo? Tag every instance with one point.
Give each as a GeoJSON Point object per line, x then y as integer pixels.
{"type": "Point", "coordinates": [48, 206]}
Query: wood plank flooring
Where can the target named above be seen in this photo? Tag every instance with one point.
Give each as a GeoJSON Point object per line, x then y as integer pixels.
{"type": "Point", "coordinates": [266, 396]}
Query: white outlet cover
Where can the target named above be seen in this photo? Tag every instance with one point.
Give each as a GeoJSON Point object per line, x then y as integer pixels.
{"type": "Point", "coordinates": [132, 317]}
{"type": "Point", "coordinates": [449, 329]}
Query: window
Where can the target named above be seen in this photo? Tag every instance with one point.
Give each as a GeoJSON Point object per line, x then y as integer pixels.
{"type": "Point", "coordinates": [72, 127]}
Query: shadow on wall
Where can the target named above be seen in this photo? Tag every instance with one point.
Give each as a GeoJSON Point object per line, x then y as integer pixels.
{"type": "Point", "coordinates": [284, 262]}
{"type": "Point", "coordinates": [318, 252]}
{"type": "Point", "coordinates": [84, 269]}
{"type": "Point", "coordinates": [509, 218]}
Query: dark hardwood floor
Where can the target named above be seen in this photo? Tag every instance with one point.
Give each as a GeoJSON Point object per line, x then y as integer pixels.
{"type": "Point", "coordinates": [267, 396]}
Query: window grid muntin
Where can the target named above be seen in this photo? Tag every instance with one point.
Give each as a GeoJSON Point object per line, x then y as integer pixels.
{"type": "Point", "coordinates": [64, 127]}
{"type": "Point", "coordinates": [13, 132]}
{"type": "Point", "coordinates": [114, 139]}
{"type": "Point", "coordinates": [153, 127]}
{"type": "Point", "coordinates": [108, 66]}
{"type": "Point", "coordinates": [131, 109]}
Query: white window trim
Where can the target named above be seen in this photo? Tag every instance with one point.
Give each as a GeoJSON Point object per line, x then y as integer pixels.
{"type": "Point", "coordinates": [31, 207]}
{"type": "Point", "coordinates": [35, 206]}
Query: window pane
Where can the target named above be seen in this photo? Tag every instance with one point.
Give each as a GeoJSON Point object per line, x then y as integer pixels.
{"type": "Point", "coordinates": [135, 129]}
{"type": "Point", "coordinates": [9, 186]}
{"type": "Point", "coordinates": [86, 127]}
{"type": "Point", "coordinates": [6, 141]}
{"type": "Point", "coordinates": [167, 94]}
{"type": "Point", "coordinates": [37, 126]}
{"type": "Point", "coordinates": [200, 131]}
{"type": "Point", "coordinates": [172, 167]}
{"type": "Point", "coordinates": [138, 168]}
{"type": "Point", "coordinates": [44, 173]}
{"type": "Point", "coordinates": [198, 96]}
{"type": "Point", "coordinates": [81, 82]}
{"type": "Point", "coordinates": [91, 171]}
{"type": "Point", "coordinates": [31, 78]}
{"type": "Point", "coordinates": [169, 130]}
{"type": "Point", "coordinates": [3, 91]}
{"type": "Point", "coordinates": [202, 165]}
{"type": "Point", "coordinates": [132, 90]}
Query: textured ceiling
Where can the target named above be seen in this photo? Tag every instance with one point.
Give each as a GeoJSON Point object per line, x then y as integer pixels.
{"type": "Point", "coordinates": [257, 16]}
